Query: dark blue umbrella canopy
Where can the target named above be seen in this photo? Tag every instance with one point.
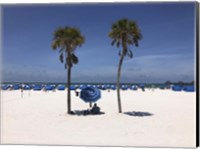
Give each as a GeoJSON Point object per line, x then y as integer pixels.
{"type": "Point", "coordinates": [16, 87]}
{"type": "Point", "coordinates": [133, 87]}
{"type": "Point", "coordinates": [37, 87]}
{"type": "Point", "coordinates": [49, 87]}
{"type": "Point", "coordinates": [90, 94]}
{"type": "Point", "coordinates": [82, 86]}
{"type": "Point", "coordinates": [108, 86]}
{"type": "Point", "coordinates": [27, 87]}
{"type": "Point", "coordinates": [5, 87]}
{"type": "Point", "coordinates": [189, 88]}
{"type": "Point", "coordinates": [124, 87]}
{"type": "Point", "coordinates": [113, 87]}
{"type": "Point", "coordinates": [177, 88]}
{"type": "Point", "coordinates": [103, 87]}
{"type": "Point", "coordinates": [61, 87]}
{"type": "Point", "coordinates": [73, 87]}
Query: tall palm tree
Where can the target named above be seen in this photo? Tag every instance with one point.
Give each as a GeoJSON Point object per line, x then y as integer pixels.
{"type": "Point", "coordinates": [67, 39]}
{"type": "Point", "coordinates": [124, 33]}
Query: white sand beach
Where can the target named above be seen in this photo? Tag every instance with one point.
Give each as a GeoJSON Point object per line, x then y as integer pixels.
{"type": "Point", "coordinates": [169, 119]}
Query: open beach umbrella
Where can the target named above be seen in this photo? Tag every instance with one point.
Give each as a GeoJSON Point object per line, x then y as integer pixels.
{"type": "Point", "coordinates": [5, 87]}
{"type": "Point", "coordinates": [189, 88]}
{"type": "Point", "coordinates": [82, 86]}
{"type": "Point", "coordinates": [133, 87]}
{"type": "Point", "coordinates": [37, 87]}
{"type": "Point", "coordinates": [27, 87]}
{"type": "Point", "coordinates": [88, 85]}
{"type": "Point", "coordinates": [177, 88]}
{"type": "Point", "coordinates": [124, 87]}
{"type": "Point", "coordinates": [90, 94]}
{"type": "Point", "coordinates": [61, 87]}
{"type": "Point", "coordinates": [108, 86]}
{"type": "Point", "coordinates": [103, 87]}
{"type": "Point", "coordinates": [16, 87]}
{"type": "Point", "coordinates": [73, 87]}
{"type": "Point", "coordinates": [49, 87]}
{"type": "Point", "coordinates": [113, 87]}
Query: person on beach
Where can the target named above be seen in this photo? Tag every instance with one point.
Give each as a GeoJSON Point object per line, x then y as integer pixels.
{"type": "Point", "coordinates": [22, 92]}
{"type": "Point", "coordinates": [95, 109]}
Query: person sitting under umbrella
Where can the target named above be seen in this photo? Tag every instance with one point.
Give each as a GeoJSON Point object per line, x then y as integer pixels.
{"type": "Point", "coordinates": [95, 109]}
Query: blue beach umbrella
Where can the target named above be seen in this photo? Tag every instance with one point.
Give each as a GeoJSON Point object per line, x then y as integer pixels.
{"type": "Point", "coordinates": [61, 87]}
{"type": "Point", "coordinates": [49, 87]}
{"type": "Point", "coordinates": [113, 87]}
{"type": "Point", "coordinates": [133, 87]}
{"type": "Point", "coordinates": [16, 87]}
{"type": "Point", "coordinates": [5, 87]}
{"type": "Point", "coordinates": [189, 88]}
{"type": "Point", "coordinates": [90, 94]}
{"type": "Point", "coordinates": [103, 87]}
{"type": "Point", "coordinates": [89, 85]}
{"type": "Point", "coordinates": [98, 86]}
{"type": "Point", "coordinates": [108, 86]}
{"type": "Point", "coordinates": [27, 87]}
{"type": "Point", "coordinates": [177, 88]}
{"type": "Point", "coordinates": [37, 87]}
{"type": "Point", "coordinates": [124, 87]}
{"type": "Point", "coordinates": [82, 86]}
{"type": "Point", "coordinates": [73, 87]}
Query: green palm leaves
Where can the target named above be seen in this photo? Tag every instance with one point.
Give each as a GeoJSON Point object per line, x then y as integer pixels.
{"type": "Point", "coordinates": [67, 40]}
{"type": "Point", "coordinates": [125, 33]}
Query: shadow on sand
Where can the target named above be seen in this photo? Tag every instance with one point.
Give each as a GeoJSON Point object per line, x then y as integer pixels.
{"type": "Point", "coordinates": [138, 113]}
{"type": "Point", "coordinates": [84, 113]}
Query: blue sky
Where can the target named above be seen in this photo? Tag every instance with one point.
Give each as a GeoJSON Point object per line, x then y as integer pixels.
{"type": "Point", "coordinates": [166, 51]}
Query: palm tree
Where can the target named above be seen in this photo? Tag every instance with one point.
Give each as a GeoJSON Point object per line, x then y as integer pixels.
{"type": "Point", "coordinates": [124, 33]}
{"type": "Point", "coordinates": [67, 39]}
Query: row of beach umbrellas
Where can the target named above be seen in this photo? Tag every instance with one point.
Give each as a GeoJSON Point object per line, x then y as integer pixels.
{"type": "Point", "coordinates": [36, 87]}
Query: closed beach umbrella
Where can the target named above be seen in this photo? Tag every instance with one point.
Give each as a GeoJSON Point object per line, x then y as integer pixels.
{"type": "Point", "coordinates": [90, 94]}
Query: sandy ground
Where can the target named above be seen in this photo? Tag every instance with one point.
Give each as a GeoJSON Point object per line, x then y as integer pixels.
{"type": "Point", "coordinates": [168, 119]}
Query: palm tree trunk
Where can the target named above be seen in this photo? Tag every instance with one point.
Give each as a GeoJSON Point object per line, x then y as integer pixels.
{"type": "Point", "coordinates": [68, 90]}
{"type": "Point", "coordinates": [118, 83]}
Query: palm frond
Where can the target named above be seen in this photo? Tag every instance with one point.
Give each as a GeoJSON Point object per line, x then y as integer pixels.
{"type": "Point", "coordinates": [74, 58]}
{"type": "Point", "coordinates": [125, 33]}
{"type": "Point", "coordinates": [130, 54]}
{"type": "Point", "coordinates": [61, 58]}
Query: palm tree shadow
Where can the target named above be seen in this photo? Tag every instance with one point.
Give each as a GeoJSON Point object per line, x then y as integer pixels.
{"type": "Point", "coordinates": [138, 113]}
